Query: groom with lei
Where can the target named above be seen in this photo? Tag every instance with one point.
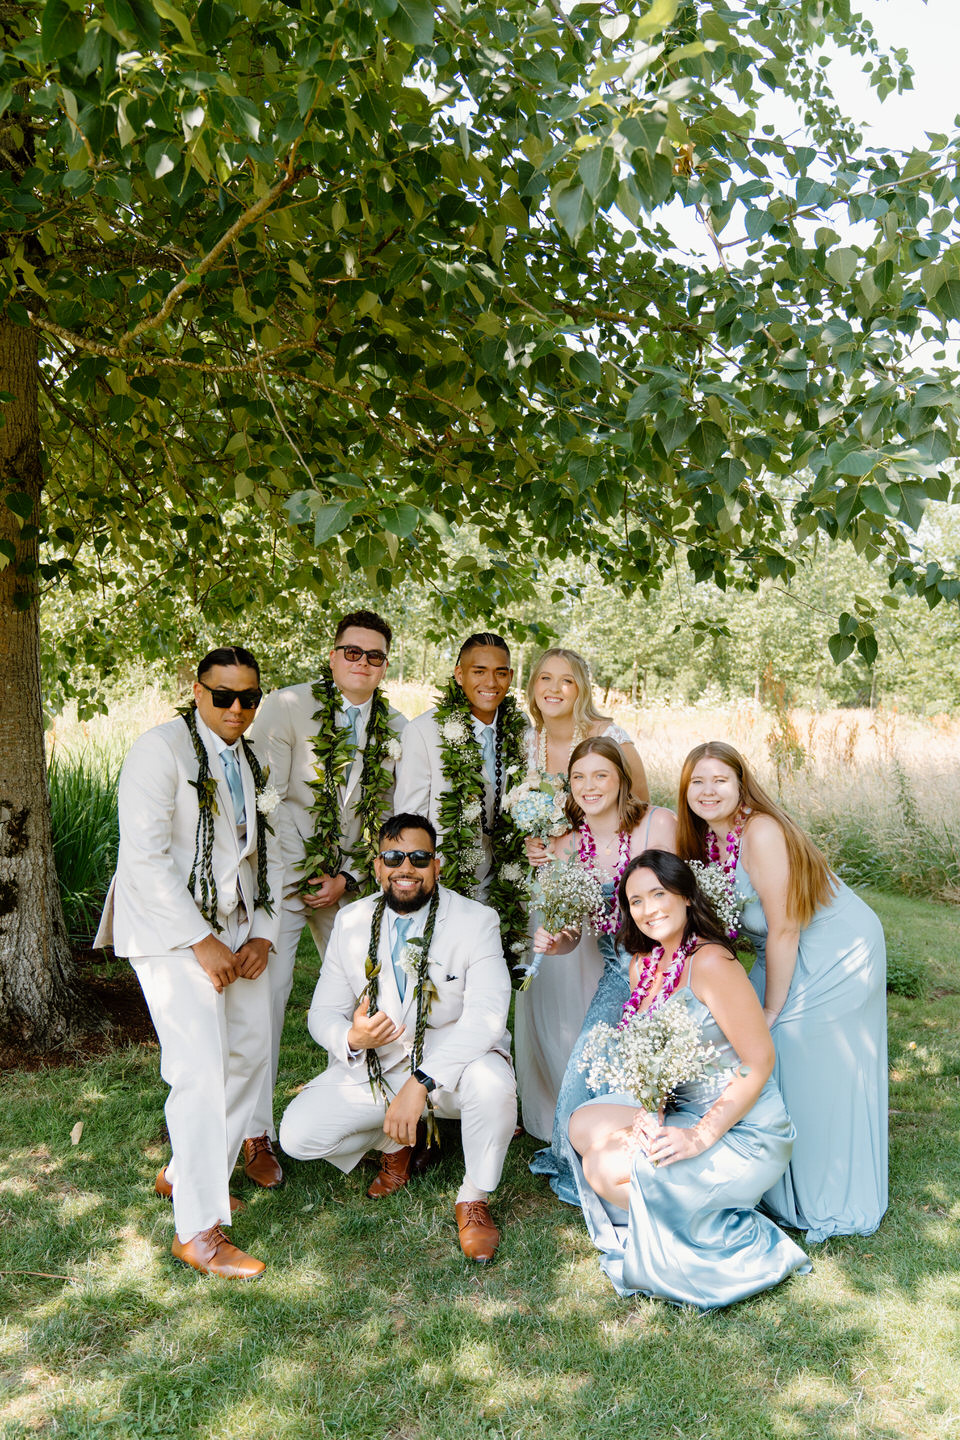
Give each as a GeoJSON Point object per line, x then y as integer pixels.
{"type": "Point", "coordinates": [411, 1007]}
{"type": "Point", "coordinates": [454, 766]}
{"type": "Point", "coordinates": [332, 747]}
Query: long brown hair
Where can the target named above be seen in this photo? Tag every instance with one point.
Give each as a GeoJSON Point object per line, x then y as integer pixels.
{"type": "Point", "coordinates": [630, 810]}
{"type": "Point", "coordinates": [811, 882]}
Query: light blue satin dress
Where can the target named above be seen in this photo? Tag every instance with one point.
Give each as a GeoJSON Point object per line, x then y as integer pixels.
{"type": "Point", "coordinates": [692, 1234]}
{"type": "Point", "coordinates": [609, 998]}
{"type": "Point", "coordinates": [831, 1067]}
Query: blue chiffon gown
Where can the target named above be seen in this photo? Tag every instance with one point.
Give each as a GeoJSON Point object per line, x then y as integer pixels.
{"type": "Point", "coordinates": [692, 1234]}
{"type": "Point", "coordinates": [831, 1067]}
{"type": "Point", "coordinates": [609, 998]}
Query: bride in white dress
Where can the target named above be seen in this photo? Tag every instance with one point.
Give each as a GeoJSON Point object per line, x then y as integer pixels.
{"type": "Point", "coordinates": [550, 1013]}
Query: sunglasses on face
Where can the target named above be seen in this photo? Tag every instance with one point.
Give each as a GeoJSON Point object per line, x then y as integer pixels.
{"type": "Point", "coordinates": [223, 699]}
{"type": "Point", "coordinates": [353, 653]}
{"type": "Point", "coordinates": [419, 859]}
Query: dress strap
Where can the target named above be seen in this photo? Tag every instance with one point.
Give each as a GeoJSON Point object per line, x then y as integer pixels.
{"type": "Point", "coordinates": [651, 811]}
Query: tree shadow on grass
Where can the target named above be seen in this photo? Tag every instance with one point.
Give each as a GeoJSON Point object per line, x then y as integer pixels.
{"type": "Point", "coordinates": [369, 1322]}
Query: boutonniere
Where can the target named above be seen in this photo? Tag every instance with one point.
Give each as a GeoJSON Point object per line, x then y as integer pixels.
{"type": "Point", "coordinates": [268, 799]}
{"type": "Point", "coordinates": [411, 958]}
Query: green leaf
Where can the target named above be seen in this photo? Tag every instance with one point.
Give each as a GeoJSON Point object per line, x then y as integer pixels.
{"type": "Point", "coordinates": [644, 132]}
{"type": "Point", "coordinates": [840, 647]}
{"type": "Point", "coordinates": [572, 206]}
{"type": "Point", "coordinates": [868, 647]}
{"type": "Point", "coordinates": [841, 265]}
{"type": "Point", "coordinates": [19, 502]}
{"type": "Point", "coordinates": [673, 432]}
{"type": "Point", "coordinates": [400, 520]}
{"type": "Point", "coordinates": [61, 30]}
{"type": "Point", "coordinates": [586, 367]}
{"type": "Point", "coordinates": [333, 519]}
{"type": "Point", "coordinates": [412, 23]}
{"type": "Point", "coordinates": [597, 170]}
{"type": "Point", "coordinates": [947, 298]}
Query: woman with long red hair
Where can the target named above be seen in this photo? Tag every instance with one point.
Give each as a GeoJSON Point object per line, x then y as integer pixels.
{"type": "Point", "coordinates": [820, 975]}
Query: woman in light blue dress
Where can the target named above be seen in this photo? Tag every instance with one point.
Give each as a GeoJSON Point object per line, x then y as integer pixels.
{"type": "Point", "coordinates": [610, 821]}
{"type": "Point", "coordinates": [820, 975]}
{"type": "Point", "coordinates": [670, 1199]}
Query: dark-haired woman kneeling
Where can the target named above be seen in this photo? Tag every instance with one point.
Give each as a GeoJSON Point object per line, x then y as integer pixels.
{"type": "Point", "coordinates": [670, 1199]}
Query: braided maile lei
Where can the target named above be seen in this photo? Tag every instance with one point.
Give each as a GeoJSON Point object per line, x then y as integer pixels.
{"type": "Point", "coordinates": [323, 854]}
{"type": "Point", "coordinates": [426, 993]}
{"type": "Point", "coordinates": [462, 813]}
{"type": "Point", "coordinates": [202, 882]}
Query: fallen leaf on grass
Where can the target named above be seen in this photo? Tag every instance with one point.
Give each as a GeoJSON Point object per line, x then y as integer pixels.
{"type": "Point", "coordinates": [76, 1132]}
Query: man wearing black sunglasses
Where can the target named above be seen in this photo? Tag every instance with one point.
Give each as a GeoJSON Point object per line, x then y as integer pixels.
{"type": "Point", "coordinates": [431, 1042]}
{"type": "Point", "coordinates": [195, 906]}
{"type": "Point", "coordinates": [331, 746]}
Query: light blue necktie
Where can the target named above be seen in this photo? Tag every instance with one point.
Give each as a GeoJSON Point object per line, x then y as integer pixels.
{"type": "Point", "coordinates": [488, 745]}
{"type": "Point", "coordinates": [400, 928]}
{"type": "Point", "coordinates": [352, 713]}
{"type": "Point", "coordinates": [232, 771]}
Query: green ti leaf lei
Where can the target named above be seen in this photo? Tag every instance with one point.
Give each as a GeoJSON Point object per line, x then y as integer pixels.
{"type": "Point", "coordinates": [203, 882]}
{"type": "Point", "coordinates": [461, 815]}
{"type": "Point", "coordinates": [323, 853]}
{"type": "Point", "coordinates": [426, 993]}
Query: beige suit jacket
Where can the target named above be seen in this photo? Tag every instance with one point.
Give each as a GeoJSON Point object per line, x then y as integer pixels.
{"type": "Point", "coordinates": [421, 782]}
{"type": "Point", "coordinates": [284, 731]}
{"type": "Point", "coordinates": [469, 1017]}
{"type": "Point", "coordinates": [150, 909]}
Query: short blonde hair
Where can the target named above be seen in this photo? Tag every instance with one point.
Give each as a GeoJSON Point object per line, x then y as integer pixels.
{"type": "Point", "coordinates": [585, 713]}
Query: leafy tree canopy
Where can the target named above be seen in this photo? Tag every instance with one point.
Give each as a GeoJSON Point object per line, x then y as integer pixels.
{"type": "Point", "coordinates": [316, 282]}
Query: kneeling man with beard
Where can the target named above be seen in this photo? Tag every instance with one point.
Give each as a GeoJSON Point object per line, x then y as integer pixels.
{"type": "Point", "coordinates": [411, 1007]}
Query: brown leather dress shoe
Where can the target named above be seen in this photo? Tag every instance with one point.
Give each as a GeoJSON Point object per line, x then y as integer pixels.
{"type": "Point", "coordinates": [211, 1253]}
{"type": "Point", "coordinates": [394, 1172]}
{"type": "Point", "coordinates": [164, 1189]}
{"type": "Point", "coordinates": [479, 1237]}
{"type": "Point", "coordinates": [260, 1164]}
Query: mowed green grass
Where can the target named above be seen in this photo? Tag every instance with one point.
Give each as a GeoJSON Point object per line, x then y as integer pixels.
{"type": "Point", "coordinates": [368, 1322]}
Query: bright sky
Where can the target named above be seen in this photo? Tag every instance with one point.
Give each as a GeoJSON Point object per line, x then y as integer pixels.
{"type": "Point", "coordinates": [930, 33]}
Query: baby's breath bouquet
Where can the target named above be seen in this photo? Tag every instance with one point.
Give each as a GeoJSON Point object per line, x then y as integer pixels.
{"type": "Point", "coordinates": [650, 1057]}
{"type": "Point", "coordinates": [536, 806]}
{"type": "Point", "coordinates": [565, 893]}
{"type": "Point", "coordinates": [723, 895]}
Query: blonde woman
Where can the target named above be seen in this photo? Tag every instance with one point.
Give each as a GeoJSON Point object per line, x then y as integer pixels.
{"type": "Point", "coordinates": [609, 825]}
{"type": "Point", "coordinates": [561, 706]}
{"type": "Point", "coordinates": [820, 975]}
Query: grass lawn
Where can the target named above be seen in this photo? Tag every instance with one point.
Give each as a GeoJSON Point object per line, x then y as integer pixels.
{"type": "Point", "coordinates": [369, 1323]}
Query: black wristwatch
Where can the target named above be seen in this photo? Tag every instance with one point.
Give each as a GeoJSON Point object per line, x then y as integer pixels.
{"type": "Point", "coordinates": [426, 1081]}
{"type": "Point", "coordinates": [351, 886]}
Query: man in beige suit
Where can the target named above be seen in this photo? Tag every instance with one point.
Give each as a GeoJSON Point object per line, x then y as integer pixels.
{"type": "Point", "coordinates": [332, 748]}
{"type": "Point", "coordinates": [440, 963]}
{"type": "Point", "coordinates": [484, 674]}
{"type": "Point", "coordinates": [194, 905]}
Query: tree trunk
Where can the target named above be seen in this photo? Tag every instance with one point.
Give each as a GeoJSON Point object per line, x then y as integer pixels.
{"type": "Point", "coordinates": [39, 1001]}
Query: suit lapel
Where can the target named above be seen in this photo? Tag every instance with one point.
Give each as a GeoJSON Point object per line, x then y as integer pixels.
{"type": "Point", "coordinates": [224, 798]}
{"type": "Point", "coordinates": [436, 950]}
{"type": "Point", "coordinates": [249, 802]}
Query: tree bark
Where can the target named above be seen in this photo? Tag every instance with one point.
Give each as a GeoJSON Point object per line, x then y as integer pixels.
{"type": "Point", "coordinates": [40, 1006]}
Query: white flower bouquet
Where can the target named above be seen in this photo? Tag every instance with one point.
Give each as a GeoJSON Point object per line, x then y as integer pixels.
{"type": "Point", "coordinates": [536, 806]}
{"type": "Point", "coordinates": [648, 1059]}
{"type": "Point", "coordinates": [566, 893]}
{"type": "Point", "coordinates": [723, 895]}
